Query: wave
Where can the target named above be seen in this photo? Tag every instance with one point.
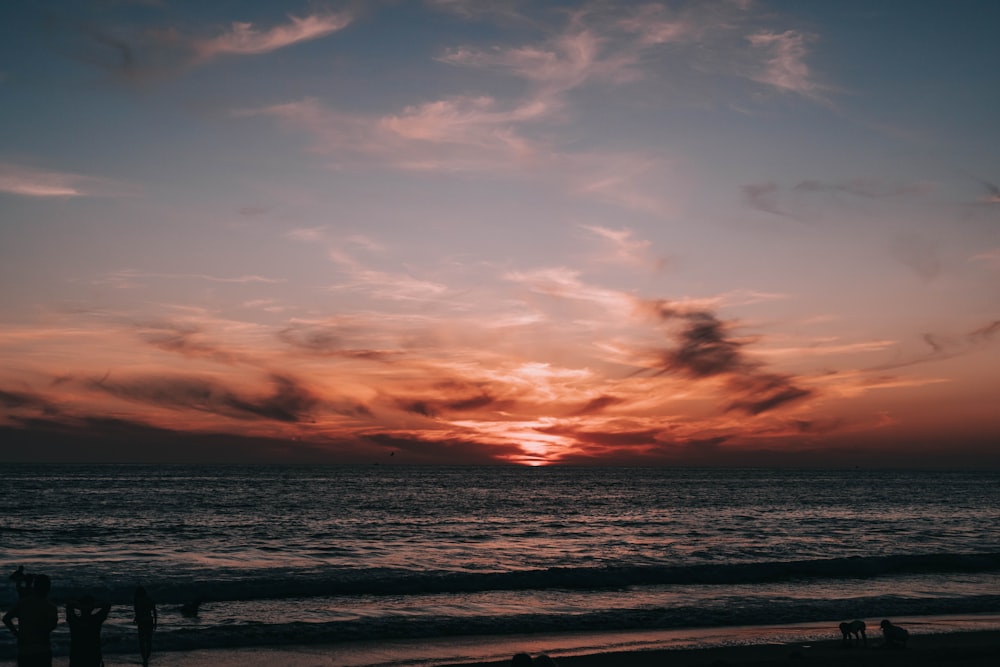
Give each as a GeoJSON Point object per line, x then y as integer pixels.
{"type": "Point", "coordinates": [274, 585]}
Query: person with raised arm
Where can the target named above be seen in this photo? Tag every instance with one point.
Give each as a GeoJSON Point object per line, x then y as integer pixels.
{"type": "Point", "coordinates": [85, 619]}
{"type": "Point", "coordinates": [36, 618]}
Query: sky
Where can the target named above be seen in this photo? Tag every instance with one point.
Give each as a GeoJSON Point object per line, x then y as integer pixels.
{"type": "Point", "coordinates": [731, 232]}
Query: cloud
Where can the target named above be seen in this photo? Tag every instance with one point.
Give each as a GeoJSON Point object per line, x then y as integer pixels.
{"type": "Point", "coordinates": [139, 54]}
{"type": "Point", "coordinates": [992, 195]}
{"type": "Point", "coordinates": [657, 24]}
{"type": "Point", "coordinates": [784, 65]}
{"type": "Point", "coordinates": [764, 391]}
{"type": "Point", "coordinates": [16, 400]}
{"type": "Point", "coordinates": [244, 39]}
{"type": "Point", "coordinates": [569, 60]}
{"type": "Point", "coordinates": [478, 10]}
{"type": "Point", "coordinates": [31, 182]}
{"type": "Point", "coordinates": [485, 134]}
{"type": "Point", "coordinates": [565, 283]}
{"type": "Point", "coordinates": [991, 257]}
{"type": "Point", "coordinates": [433, 408]}
{"type": "Point", "coordinates": [763, 197]}
{"type": "Point", "coordinates": [598, 404]}
{"type": "Point", "coordinates": [385, 285]}
{"type": "Point", "coordinates": [130, 278]}
{"type": "Point", "coordinates": [944, 346]}
{"type": "Point", "coordinates": [624, 249]}
{"type": "Point", "coordinates": [705, 349]}
{"type": "Point", "coordinates": [464, 133]}
{"type": "Point", "coordinates": [289, 401]}
{"type": "Point", "coordinates": [866, 187]}
{"type": "Point", "coordinates": [417, 448]}
{"type": "Point", "coordinates": [187, 340]}
{"type": "Point", "coordinates": [307, 234]}
{"type": "Point", "coordinates": [985, 332]}
{"type": "Point", "coordinates": [333, 340]}
{"type": "Point", "coordinates": [768, 196]}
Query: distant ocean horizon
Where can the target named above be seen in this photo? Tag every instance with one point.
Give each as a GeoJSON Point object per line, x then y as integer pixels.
{"type": "Point", "coordinates": [295, 554]}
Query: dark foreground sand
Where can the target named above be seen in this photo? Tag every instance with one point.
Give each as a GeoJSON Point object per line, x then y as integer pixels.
{"type": "Point", "coordinates": [969, 649]}
{"type": "Point", "coordinates": [964, 649]}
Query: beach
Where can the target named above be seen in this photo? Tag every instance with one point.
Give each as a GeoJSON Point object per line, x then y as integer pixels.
{"type": "Point", "coordinates": [971, 649]}
{"type": "Point", "coordinates": [944, 640]}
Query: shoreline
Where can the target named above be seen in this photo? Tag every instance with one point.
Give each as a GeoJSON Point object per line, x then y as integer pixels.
{"type": "Point", "coordinates": [970, 649]}
{"type": "Point", "coordinates": [972, 640]}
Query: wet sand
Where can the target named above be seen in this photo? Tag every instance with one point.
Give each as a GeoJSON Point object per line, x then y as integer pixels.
{"type": "Point", "coordinates": [967, 649]}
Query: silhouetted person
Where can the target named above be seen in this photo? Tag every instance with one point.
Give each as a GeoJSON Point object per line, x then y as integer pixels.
{"type": "Point", "coordinates": [145, 620]}
{"type": "Point", "coordinates": [895, 636]}
{"type": "Point", "coordinates": [190, 609]}
{"type": "Point", "coordinates": [856, 628]}
{"type": "Point", "coordinates": [544, 660]}
{"type": "Point", "coordinates": [22, 581]}
{"type": "Point", "coordinates": [85, 619]}
{"type": "Point", "coordinates": [36, 618]}
{"type": "Point", "coordinates": [521, 660]}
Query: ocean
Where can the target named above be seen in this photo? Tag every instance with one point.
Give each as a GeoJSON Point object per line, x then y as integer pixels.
{"type": "Point", "coordinates": [345, 554]}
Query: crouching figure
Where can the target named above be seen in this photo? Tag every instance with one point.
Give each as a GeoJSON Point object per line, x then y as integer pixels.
{"type": "Point", "coordinates": [895, 636]}
{"type": "Point", "coordinates": [855, 628]}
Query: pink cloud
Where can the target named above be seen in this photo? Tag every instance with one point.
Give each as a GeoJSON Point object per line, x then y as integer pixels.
{"type": "Point", "coordinates": [784, 65]}
{"type": "Point", "coordinates": [653, 25]}
{"type": "Point", "coordinates": [457, 134]}
{"type": "Point", "coordinates": [30, 182]}
{"type": "Point", "coordinates": [244, 39]}
{"type": "Point", "coordinates": [623, 248]}
{"type": "Point", "coordinates": [567, 61]}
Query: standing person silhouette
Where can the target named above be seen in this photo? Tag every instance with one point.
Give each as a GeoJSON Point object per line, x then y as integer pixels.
{"type": "Point", "coordinates": [22, 581]}
{"type": "Point", "coordinates": [85, 619]}
{"type": "Point", "coordinates": [145, 619]}
{"type": "Point", "coordinates": [36, 618]}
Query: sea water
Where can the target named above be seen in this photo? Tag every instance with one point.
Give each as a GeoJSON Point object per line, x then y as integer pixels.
{"type": "Point", "coordinates": [335, 554]}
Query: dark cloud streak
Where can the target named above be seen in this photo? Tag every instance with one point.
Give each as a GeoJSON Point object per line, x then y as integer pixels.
{"type": "Point", "coordinates": [289, 402]}
{"type": "Point", "coordinates": [706, 349]}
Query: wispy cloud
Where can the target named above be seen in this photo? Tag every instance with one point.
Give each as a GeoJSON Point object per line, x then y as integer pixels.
{"type": "Point", "coordinates": [565, 283]}
{"type": "Point", "coordinates": [245, 39]}
{"type": "Point", "coordinates": [31, 182]}
{"type": "Point", "coordinates": [866, 187]}
{"type": "Point", "coordinates": [488, 133]}
{"type": "Point", "coordinates": [770, 197]}
{"type": "Point", "coordinates": [458, 134]}
{"type": "Point", "coordinates": [131, 278]}
{"type": "Point", "coordinates": [569, 60]}
{"type": "Point", "coordinates": [992, 195]}
{"type": "Point", "coordinates": [784, 62]}
{"type": "Point", "coordinates": [139, 54]}
{"type": "Point", "coordinates": [474, 9]}
{"type": "Point", "coordinates": [763, 197]}
{"type": "Point", "coordinates": [393, 286]}
{"type": "Point", "coordinates": [476, 135]}
{"type": "Point", "coordinates": [288, 402]}
{"type": "Point", "coordinates": [990, 257]}
{"type": "Point", "coordinates": [624, 249]}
